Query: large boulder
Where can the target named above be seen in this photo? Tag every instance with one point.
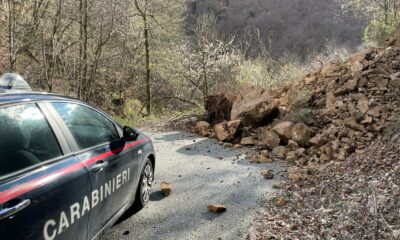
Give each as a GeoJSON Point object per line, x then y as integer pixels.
{"type": "Point", "coordinates": [302, 134]}
{"type": "Point", "coordinates": [203, 128]}
{"type": "Point", "coordinates": [270, 139]}
{"type": "Point", "coordinates": [219, 107]}
{"type": "Point", "coordinates": [226, 131]}
{"type": "Point", "coordinates": [284, 129]}
{"type": "Point", "coordinates": [254, 107]}
{"type": "Point", "coordinates": [280, 152]}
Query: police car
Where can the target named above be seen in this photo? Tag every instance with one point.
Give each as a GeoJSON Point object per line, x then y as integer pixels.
{"type": "Point", "coordinates": [67, 170]}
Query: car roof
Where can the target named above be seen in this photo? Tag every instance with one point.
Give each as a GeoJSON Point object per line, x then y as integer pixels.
{"type": "Point", "coordinates": [7, 97]}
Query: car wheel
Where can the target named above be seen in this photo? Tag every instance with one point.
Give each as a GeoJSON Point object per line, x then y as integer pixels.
{"type": "Point", "coordinates": [145, 184]}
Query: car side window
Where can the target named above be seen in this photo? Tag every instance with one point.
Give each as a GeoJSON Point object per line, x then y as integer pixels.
{"type": "Point", "coordinates": [88, 127]}
{"type": "Point", "coordinates": [26, 138]}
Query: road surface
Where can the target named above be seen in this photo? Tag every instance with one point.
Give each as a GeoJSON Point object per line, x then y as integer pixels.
{"type": "Point", "coordinates": [199, 177]}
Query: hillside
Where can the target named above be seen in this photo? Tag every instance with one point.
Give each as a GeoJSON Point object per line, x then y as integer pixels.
{"type": "Point", "coordinates": [338, 129]}
{"type": "Point", "coordinates": [294, 27]}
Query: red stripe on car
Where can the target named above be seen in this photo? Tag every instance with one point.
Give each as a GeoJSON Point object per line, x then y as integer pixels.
{"type": "Point", "coordinates": [21, 189]}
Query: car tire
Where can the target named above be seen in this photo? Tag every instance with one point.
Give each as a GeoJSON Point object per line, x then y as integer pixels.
{"type": "Point", "coordinates": [145, 183]}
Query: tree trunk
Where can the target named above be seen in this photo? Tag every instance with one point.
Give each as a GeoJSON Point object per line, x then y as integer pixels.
{"type": "Point", "coordinates": [386, 12]}
{"type": "Point", "coordinates": [204, 63]}
{"type": "Point", "coordinates": [82, 71]}
{"type": "Point", "coordinates": [50, 67]}
{"type": "Point", "coordinates": [148, 70]}
{"type": "Point", "coordinates": [11, 32]}
{"type": "Point", "coordinates": [149, 99]}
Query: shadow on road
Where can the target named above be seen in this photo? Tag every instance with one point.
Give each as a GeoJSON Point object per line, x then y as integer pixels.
{"type": "Point", "coordinates": [200, 146]}
{"type": "Point", "coordinates": [128, 214]}
{"type": "Point", "coordinates": [154, 196]}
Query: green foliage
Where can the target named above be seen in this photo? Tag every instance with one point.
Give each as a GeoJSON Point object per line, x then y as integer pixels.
{"type": "Point", "coordinates": [272, 72]}
{"type": "Point", "coordinates": [383, 17]}
{"type": "Point", "coordinates": [377, 31]}
{"type": "Point", "coordinates": [256, 72]}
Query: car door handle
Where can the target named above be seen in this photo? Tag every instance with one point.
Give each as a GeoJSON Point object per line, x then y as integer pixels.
{"type": "Point", "coordinates": [5, 213]}
{"type": "Point", "coordinates": [99, 166]}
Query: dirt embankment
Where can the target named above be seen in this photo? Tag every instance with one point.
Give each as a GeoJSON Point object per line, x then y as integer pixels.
{"type": "Point", "coordinates": [339, 127]}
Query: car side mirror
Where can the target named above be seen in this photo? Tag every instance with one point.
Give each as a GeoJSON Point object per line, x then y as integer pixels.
{"type": "Point", "coordinates": [130, 134]}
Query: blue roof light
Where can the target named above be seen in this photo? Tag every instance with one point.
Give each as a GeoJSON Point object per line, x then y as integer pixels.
{"type": "Point", "coordinates": [13, 82]}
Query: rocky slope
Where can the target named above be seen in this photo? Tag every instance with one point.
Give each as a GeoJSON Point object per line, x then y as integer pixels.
{"type": "Point", "coordinates": [339, 129]}
{"type": "Point", "coordinates": [332, 113]}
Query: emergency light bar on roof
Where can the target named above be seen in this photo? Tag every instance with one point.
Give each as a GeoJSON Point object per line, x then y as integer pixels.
{"type": "Point", "coordinates": [13, 82]}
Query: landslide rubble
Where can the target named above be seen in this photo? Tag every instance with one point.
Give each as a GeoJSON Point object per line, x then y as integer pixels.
{"type": "Point", "coordinates": [354, 199]}
{"type": "Point", "coordinates": [339, 128]}
{"type": "Point", "coordinates": [341, 109]}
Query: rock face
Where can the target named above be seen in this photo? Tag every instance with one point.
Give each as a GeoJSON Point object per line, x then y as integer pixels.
{"type": "Point", "coordinates": [301, 134]}
{"type": "Point", "coordinates": [203, 128]}
{"type": "Point", "coordinates": [226, 131]}
{"type": "Point", "coordinates": [254, 106]}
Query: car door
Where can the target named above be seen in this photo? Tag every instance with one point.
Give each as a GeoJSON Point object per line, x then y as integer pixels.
{"type": "Point", "coordinates": [102, 150]}
{"type": "Point", "coordinates": [42, 185]}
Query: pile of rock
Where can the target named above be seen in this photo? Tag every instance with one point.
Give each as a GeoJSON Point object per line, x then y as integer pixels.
{"type": "Point", "coordinates": [354, 104]}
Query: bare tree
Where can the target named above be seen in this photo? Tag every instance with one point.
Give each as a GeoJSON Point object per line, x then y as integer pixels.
{"type": "Point", "coordinates": [209, 62]}
{"type": "Point", "coordinates": [144, 14]}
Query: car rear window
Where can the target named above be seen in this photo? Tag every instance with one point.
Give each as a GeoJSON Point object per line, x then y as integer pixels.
{"type": "Point", "coordinates": [26, 138]}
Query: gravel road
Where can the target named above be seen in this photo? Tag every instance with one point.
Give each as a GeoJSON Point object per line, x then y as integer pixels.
{"type": "Point", "coordinates": [192, 165]}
